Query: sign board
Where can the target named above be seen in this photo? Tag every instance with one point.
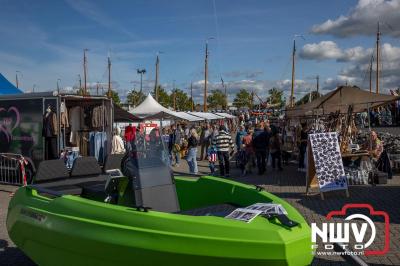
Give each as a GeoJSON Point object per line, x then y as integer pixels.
{"type": "Point", "coordinates": [328, 161]}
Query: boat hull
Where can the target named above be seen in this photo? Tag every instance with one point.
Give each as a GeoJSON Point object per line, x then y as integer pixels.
{"type": "Point", "coordinates": [70, 230]}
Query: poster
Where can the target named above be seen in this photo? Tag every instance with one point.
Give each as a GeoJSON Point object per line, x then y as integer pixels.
{"type": "Point", "coordinates": [268, 208]}
{"type": "Point", "coordinates": [243, 214]}
{"type": "Point", "coordinates": [328, 161]}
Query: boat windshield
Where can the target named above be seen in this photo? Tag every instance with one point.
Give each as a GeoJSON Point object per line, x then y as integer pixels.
{"type": "Point", "coordinates": [149, 149]}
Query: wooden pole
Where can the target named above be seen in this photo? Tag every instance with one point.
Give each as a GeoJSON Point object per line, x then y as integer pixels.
{"type": "Point", "coordinates": [377, 59]}
{"type": "Point", "coordinates": [370, 74]}
{"type": "Point", "coordinates": [109, 78]}
{"type": "Point", "coordinates": [156, 83]}
{"type": "Point", "coordinates": [205, 78]}
{"type": "Point", "coordinates": [84, 71]}
{"type": "Point", "coordinates": [293, 74]}
{"type": "Point", "coordinates": [317, 85]}
{"type": "Point", "coordinates": [16, 79]}
{"type": "Point", "coordinates": [191, 96]}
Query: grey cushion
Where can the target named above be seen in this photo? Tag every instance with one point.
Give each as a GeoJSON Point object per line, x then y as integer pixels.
{"type": "Point", "coordinates": [51, 170]}
{"type": "Point", "coordinates": [113, 161]}
{"type": "Point", "coordinates": [85, 166]}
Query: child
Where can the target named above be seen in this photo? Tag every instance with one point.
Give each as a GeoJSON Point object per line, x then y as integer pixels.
{"type": "Point", "coordinates": [212, 158]}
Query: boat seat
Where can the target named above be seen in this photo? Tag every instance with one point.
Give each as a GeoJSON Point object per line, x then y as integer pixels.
{"type": "Point", "coordinates": [85, 166]}
{"type": "Point", "coordinates": [220, 210]}
{"type": "Point", "coordinates": [51, 170]}
{"type": "Point", "coordinates": [113, 161]}
{"type": "Point", "coordinates": [75, 186]}
{"type": "Point", "coordinates": [86, 172]}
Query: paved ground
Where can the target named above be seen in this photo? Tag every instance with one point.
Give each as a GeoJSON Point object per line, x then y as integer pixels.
{"type": "Point", "coordinates": [288, 184]}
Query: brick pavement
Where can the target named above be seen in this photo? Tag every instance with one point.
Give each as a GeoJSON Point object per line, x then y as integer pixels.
{"type": "Point", "coordinates": [289, 185]}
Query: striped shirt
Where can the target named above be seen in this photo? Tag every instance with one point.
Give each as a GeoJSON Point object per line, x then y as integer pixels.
{"type": "Point", "coordinates": [223, 141]}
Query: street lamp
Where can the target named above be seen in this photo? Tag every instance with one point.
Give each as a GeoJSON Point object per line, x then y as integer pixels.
{"type": "Point", "coordinates": [141, 72]}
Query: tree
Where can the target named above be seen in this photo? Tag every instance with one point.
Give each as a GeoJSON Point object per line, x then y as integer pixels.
{"type": "Point", "coordinates": [163, 97]}
{"type": "Point", "coordinates": [135, 97]}
{"type": "Point", "coordinates": [182, 100]}
{"type": "Point", "coordinates": [275, 97]}
{"type": "Point", "coordinates": [306, 98]}
{"type": "Point", "coordinates": [115, 97]}
{"type": "Point", "coordinates": [242, 99]}
{"type": "Point", "coordinates": [217, 99]}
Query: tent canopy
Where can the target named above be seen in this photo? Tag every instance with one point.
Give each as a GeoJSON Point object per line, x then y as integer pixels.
{"type": "Point", "coordinates": [207, 116]}
{"type": "Point", "coordinates": [120, 115]}
{"type": "Point", "coordinates": [189, 117]}
{"type": "Point", "coordinates": [151, 109]}
{"type": "Point", "coordinates": [226, 115]}
{"type": "Point", "coordinates": [340, 100]}
{"type": "Point", "coordinates": [7, 87]}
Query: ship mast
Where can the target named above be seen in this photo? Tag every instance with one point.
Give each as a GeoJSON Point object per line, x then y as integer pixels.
{"type": "Point", "coordinates": [377, 59]}
{"type": "Point", "coordinates": [293, 73]}
{"type": "Point", "coordinates": [109, 77]}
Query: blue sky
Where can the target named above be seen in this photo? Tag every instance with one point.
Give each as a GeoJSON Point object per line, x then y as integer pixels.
{"type": "Point", "coordinates": [44, 40]}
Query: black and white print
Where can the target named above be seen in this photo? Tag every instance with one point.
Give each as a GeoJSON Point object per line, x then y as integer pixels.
{"type": "Point", "coordinates": [328, 161]}
{"type": "Point", "coordinates": [243, 214]}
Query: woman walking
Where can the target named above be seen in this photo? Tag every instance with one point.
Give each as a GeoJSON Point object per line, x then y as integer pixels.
{"type": "Point", "coordinates": [193, 141]}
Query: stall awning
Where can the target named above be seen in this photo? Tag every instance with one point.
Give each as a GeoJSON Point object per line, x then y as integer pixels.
{"type": "Point", "coordinates": [121, 115]}
{"type": "Point", "coordinates": [189, 117]}
{"type": "Point", "coordinates": [207, 116]}
{"type": "Point", "coordinates": [7, 87]}
{"type": "Point", "coordinates": [340, 100]}
{"type": "Point", "coordinates": [226, 115]}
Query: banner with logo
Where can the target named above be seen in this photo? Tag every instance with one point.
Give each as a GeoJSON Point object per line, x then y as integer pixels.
{"type": "Point", "coordinates": [328, 161]}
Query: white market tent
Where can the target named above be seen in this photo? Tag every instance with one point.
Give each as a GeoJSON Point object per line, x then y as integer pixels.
{"type": "Point", "coordinates": [150, 109]}
{"type": "Point", "coordinates": [207, 116]}
{"type": "Point", "coordinates": [226, 115]}
{"type": "Point", "coordinates": [189, 117]}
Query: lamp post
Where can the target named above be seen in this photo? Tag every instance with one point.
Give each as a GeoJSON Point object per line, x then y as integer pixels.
{"type": "Point", "coordinates": [141, 72]}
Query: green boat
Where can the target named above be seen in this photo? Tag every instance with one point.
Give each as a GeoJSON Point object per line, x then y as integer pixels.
{"type": "Point", "coordinates": [55, 225]}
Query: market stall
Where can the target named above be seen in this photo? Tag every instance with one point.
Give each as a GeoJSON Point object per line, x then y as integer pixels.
{"type": "Point", "coordinates": [337, 112]}
{"type": "Point", "coordinates": [47, 125]}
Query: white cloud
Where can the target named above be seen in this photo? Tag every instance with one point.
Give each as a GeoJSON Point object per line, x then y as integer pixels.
{"type": "Point", "coordinates": [321, 51]}
{"type": "Point", "coordinates": [363, 18]}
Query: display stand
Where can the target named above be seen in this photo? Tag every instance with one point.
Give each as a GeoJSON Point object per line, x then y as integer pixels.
{"type": "Point", "coordinates": [332, 179]}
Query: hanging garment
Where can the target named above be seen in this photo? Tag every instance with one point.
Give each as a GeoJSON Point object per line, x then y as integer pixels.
{"type": "Point", "coordinates": [64, 115]}
{"type": "Point", "coordinates": [50, 125]}
{"type": "Point", "coordinates": [50, 148]}
{"type": "Point", "coordinates": [75, 120]}
{"type": "Point", "coordinates": [117, 145]}
{"type": "Point", "coordinates": [100, 146]}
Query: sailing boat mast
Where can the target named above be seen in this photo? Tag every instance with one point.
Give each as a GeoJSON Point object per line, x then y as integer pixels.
{"type": "Point", "coordinates": [156, 83]}
{"type": "Point", "coordinates": [370, 73]}
{"type": "Point", "coordinates": [205, 78]}
{"type": "Point", "coordinates": [191, 96]}
{"type": "Point", "coordinates": [377, 59]}
{"type": "Point", "coordinates": [293, 73]}
{"type": "Point", "coordinates": [84, 71]}
{"type": "Point", "coordinates": [109, 77]}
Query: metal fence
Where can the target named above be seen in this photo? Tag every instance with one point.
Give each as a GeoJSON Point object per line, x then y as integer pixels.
{"type": "Point", "coordinates": [12, 169]}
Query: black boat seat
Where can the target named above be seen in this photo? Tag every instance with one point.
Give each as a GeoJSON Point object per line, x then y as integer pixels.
{"type": "Point", "coordinates": [75, 186]}
{"type": "Point", "coordinates": [53, 175]}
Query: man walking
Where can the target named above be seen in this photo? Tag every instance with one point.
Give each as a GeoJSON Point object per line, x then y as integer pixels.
{"type": "Point", "coordinates": [222, 142]}
{"type": "Point", "coordinates": [260, 145]}
{"type": "Point", "coordinates": [205, 141]}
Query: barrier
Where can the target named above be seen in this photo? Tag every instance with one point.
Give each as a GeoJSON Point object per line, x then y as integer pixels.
{"type": "Point", "coordinates": [12, 169]}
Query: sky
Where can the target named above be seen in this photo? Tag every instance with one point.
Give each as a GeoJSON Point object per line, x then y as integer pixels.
{"type": "Point", "coordinates": [42, 42]}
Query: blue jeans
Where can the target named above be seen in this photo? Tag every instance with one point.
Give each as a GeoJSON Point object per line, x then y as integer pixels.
{"type": "Point", "coordinates": [177, 156]}
{"type": "Point", "coordinates": [192, 160]}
